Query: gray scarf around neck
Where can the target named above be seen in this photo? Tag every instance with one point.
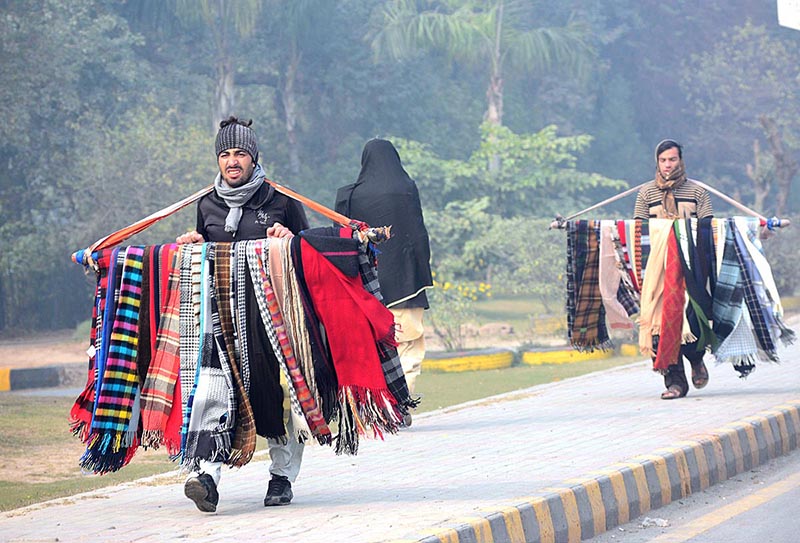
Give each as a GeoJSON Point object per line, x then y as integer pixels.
{"type": "Point", "coordinates": [236, 197]}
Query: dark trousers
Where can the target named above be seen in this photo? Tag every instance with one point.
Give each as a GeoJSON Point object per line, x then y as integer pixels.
{"type": "Point", "coordinates": [676, 374]}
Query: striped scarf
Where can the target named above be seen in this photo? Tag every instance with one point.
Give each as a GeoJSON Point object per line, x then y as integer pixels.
{"type": "Point", "coordinates": [672, 308]}
{"type": "Point", "coordinates": [726, 307]}
{"type": "Point", "coordinates": [696, 274]}
{"type": "Point", "coordinates": [80, 416]}
{"type": "Point", "coordinates": [111, 445]}
{"type": "Point", "coordinates": [611, 271]}
{"type": "Point", "coordinates": [570, 277]}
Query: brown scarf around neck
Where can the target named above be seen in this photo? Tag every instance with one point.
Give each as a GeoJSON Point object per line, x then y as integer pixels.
{"type": "Point", "coordinates": [667, 185]}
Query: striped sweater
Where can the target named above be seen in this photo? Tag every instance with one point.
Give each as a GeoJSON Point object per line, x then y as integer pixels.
{"type": "Point", "coordinates": [693, 202]}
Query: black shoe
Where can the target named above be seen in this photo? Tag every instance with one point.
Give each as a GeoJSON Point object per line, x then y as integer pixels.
{"type": "Point", "coordinates": [203, 492]}
{"type": "Point", "coordinates": [407, 420]}
{"type": "Point", "coordinates": [279, 491]}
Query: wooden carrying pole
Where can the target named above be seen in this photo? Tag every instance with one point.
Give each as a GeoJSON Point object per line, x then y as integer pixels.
{"type": "Point", "coordinates": [772, 223]}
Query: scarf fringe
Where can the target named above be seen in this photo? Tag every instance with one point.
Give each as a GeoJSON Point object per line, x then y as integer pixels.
{"type": "Point", "coordinates": [588, 346]}
{"type": "Point", "coordinates": [788, 336]}
{"type": "Point", "coordinates": [363, 410]}
{"type": "Point", "coordinates": [105, 453]}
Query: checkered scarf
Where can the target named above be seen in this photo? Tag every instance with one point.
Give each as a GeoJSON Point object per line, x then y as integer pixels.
{"type": "Point", "coordinates": [239, 303]}
{"type": "Point", "coordinates": [390, 360]}
{"type": "Point", "coordinates": [726, 307]}
{"type": "Point", "coordinates": [212, 417]}
{"type": "Point", "coordinates": [589, 329]}
{"type": "Point", "coordinates": [244, 436]}
{"type": "Point", "coordinates": [754, 308]}
{"type": "Point", "coordinates": [628, 291]}
{"type": "Point", "coordinates": [570, 277]}
{"type": "Point", "coordinates": [160, 386]}
{"type": "Point", "coordinates": [111, 445]}
{"type": "Point", "coordinates": [189, 323]}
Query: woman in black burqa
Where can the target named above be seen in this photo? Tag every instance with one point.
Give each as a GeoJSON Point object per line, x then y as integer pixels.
{"type": "Point", "coordinates": [385, 195]}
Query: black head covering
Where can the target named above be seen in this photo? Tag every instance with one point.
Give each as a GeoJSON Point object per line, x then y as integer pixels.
{"type": "Point", "coordinates": [385, 195]}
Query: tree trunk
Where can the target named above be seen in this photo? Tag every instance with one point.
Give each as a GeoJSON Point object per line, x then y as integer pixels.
{"type": "Point", "coordinates": [761, 176]}
{"type": "Point", "coordinates": [289, 102]}
{"type": "Point", "coordinates": [224, 93]}
{"type": "Point", "coordinates": [494, 93]}
{"type": "Point", "coordinates": [785, 166]}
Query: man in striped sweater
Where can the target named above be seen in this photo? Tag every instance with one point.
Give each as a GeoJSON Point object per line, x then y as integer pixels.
{"type": "Point", "coordinates": [671, 195]}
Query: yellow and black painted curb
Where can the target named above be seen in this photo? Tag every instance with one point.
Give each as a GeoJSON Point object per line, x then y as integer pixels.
{"type": "Point", "coordinates": [481, 359]}
{"type": "Point", "coordinates": [583, 508]}
{"type": "Point", "coordinates": [41, 377]}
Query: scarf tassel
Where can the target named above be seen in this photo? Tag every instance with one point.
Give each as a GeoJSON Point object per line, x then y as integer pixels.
{"type": "Point", "coordinates": [364, 410]}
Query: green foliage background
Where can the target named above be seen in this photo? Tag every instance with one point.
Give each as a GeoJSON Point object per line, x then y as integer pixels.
{"type": "Point", "coordinates": [109, 109]}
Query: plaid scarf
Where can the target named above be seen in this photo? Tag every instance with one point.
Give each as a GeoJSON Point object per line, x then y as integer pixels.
{"type": "Point", "coordinates": [760, 326]}
{"type": "Point", "coordinates": [726, 307]}
{"type": "Point", "coordinates": [676, 179]}
{"type": "Point", "coordinates": [111, 446]}
{"type": "Point", "coordinates": [160, 395]}
{"type": "Point", "coordinates": [244, 437]}
{"type": "Point", "coordinates": [589, 332]}
{"type": "Point", "coordinates": [672, 306]}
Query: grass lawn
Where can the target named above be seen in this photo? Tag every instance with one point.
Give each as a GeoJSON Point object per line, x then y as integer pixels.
{"type": "Point", "coordinates": [39, 456]}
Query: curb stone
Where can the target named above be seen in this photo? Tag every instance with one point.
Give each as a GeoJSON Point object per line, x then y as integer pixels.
{"type": "Point", "coordinates": [585, 507]}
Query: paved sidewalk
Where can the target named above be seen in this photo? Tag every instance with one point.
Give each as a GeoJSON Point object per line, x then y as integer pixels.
{"type": "Point", "coordinates": [452, 466]}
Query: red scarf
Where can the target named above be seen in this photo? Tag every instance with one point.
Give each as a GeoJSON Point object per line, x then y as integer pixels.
{"type": "Point", "coordinates": [354, 321]}
{"type": "Point", "coordinates": [674, 299]}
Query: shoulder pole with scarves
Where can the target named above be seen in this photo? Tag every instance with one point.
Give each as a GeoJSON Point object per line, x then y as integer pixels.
{"type": "Point", "coordinates": [365, 232]}
{"type": "Point", "coordinates": [771, 224]}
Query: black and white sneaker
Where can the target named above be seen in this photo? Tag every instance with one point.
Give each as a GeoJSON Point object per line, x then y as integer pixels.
{"type": "Point", "coordinates": [203, 492]}
{"type": "Point", "coordinates": [279, 491]}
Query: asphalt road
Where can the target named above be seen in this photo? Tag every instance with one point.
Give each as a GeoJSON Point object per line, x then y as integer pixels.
{"type": "Point", "coordinates": [761, 505]}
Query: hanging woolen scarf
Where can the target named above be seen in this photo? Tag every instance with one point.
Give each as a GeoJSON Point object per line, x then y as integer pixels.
{"type": "Point", "coordinates": [354, 321]}
{"type": "Point", "coordinates": [695, 277]}
{"type": "Point", "coordinates": [213, 410]}
{"type": "Point", "coordinates": [760, 326]}
{"type": "Point", "coordinates": [653, 285]}
{"type": "Point", "coordinates": [726, 307]}
{"type": "Point", "coordinates": [390, 360]}
{"type": "Point", "coordinates": [236, 197]}
{"type": "Point", "coordinates": [160, 386]}
{"type": "Point", "coordinates": [191, 266]}
{"type": "Point", "coordinates": [610, 278]}
{"type": "Point", "coordinates": [107, 449]}
{"type": "Point", "coordinates": [672, 308]}
{"type": "Point", "coordinates": [588, 334]}
{"type": "Point", "coordinates": [244, 437]}
{"type": "Point", "coordinates": [307, 417]}
{"type": "Point", "coordinates": [676, 178]}
{"type": "Point", "coordinates": [80, 416]}
{"type": "Point", "coordinates": [570, 277]}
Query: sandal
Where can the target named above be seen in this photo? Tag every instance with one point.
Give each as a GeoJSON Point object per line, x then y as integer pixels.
{"type": "Point", "coordinates": [700, 376]}
{"type": "Point", "coordinates": [673, 393]}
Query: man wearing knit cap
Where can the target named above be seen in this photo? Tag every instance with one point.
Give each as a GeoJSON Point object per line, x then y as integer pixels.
{"type": "Point", "coordinates": [243, 207]}
{"type": "Point", "coordinates": [672, 195]}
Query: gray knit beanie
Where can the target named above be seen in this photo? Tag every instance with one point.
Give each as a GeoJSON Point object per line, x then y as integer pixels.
{"type": "Point", "coordinates": [236, 136]}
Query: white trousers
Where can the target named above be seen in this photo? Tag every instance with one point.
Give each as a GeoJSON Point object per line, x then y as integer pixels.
{"type": "Point", "coordinates": [285, 459]}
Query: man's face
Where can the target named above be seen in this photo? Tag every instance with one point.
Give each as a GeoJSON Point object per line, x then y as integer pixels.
{"type": "Point", "coordinates": [236, 166]}
{"type": "Point", "coordinates": [667, 161]}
